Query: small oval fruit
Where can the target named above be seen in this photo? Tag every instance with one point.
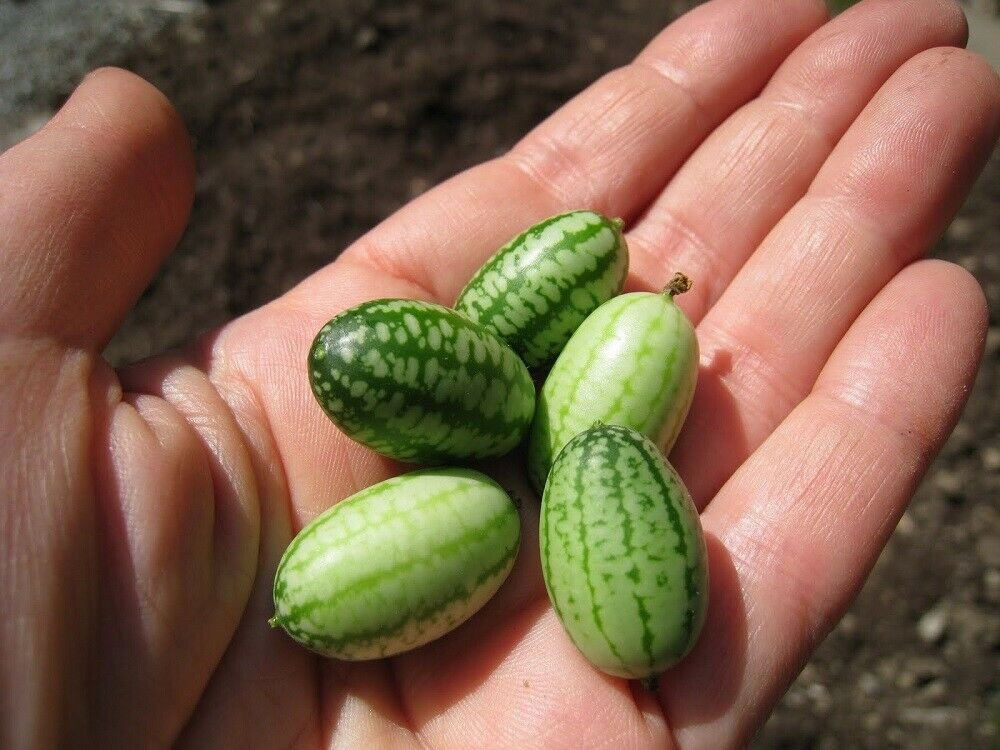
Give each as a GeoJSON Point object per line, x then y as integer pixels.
{"type": "Point", "coordinates": [633, 362]}
{"type": "Point", "coordinates": [396, 565]}
{"type": "Point", "coordinates": [622, 552]}
{"type": "Point", "coordinates": [537, 289]}
{"type": "Point", "coordinates": [419, 382]}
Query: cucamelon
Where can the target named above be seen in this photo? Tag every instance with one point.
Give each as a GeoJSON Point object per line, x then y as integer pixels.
{"type": "Point", "coordinates": [419, 382]}
{"type": "Point", "coordinates": [623, 556]}
{"type": "Point", "coordinates": [633, 362]}
{"type": "Point", "coordinates": [538, 288]}
{"type": "Point", "coordinates": [396, 565]}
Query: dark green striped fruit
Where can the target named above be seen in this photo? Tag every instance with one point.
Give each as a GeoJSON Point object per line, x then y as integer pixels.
{"type": "Point", "coordinates": [396, 565]}
{"type": "Point", "coordinates": [419, 382]}
{"type": "Point", "coordinates": [622, 552]}
{"type": "Point", "coordinates": [540, 286]}
{"type": "Point", "coordinates": [633, 362]}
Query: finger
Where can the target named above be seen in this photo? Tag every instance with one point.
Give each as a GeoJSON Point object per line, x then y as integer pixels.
{"type": "Point", "coordinates": [739, 182]}
{"type": "Point", "coordinates": [90, 206]}
{"type": "Point", "coordinates": [881, 199]}
{"type": "Point", "coordinates": [612, 148]}
{"type": "Point", "coordinates": [804, 519]}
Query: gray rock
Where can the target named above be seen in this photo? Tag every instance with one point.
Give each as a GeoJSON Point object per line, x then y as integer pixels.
{"type": "Point", "coordinates": [820, 698]}
{"type": "Point", "coordinates": [934, 691]}
{"type": "Point", "coordinates": [933, 623]}
{"type": "Point", "coordinates": [869, 684]}
{"type": "Point", "coordinates": [947, 481]}
{"type": "Point", "coordinates": [990, 457]}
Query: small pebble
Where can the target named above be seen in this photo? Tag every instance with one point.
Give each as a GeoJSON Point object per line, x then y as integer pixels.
{"type": "Point", "coordinates": [848, 624]}
{"type": "Point", "coordinates": [820, 697]}
{"type": "Point", "coordinates": [868, 683]}
{"type": "Point", "coordinates": [933, 623]}
{"type": "Point", "coordinates": [949, 482]}
{"type": "Point", "coordinates": [990, 458]}
{"type": "Point", "coordinates": [365, 39]}
{"type": "Point", "coordinates": [934, 690]}
{"type": "Point", "coordinates": [961, 229]}
{"type": "Point", "coordinates": [969, 262]}
{"type": "Point", "coordinates": [906, 525]}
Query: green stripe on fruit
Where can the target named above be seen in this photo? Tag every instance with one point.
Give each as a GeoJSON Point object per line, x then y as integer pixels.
{"type": "Point", "coordinates": [538, 288]}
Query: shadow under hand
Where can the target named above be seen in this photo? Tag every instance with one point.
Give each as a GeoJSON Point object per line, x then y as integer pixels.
{"type": "Point", "coordinates": [704, 686]}
{"type": "Point", "coordinates": [713, 442]}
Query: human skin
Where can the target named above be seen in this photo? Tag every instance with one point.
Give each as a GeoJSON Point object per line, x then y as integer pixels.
{"type": "Point", "coordinates": [796, 169]}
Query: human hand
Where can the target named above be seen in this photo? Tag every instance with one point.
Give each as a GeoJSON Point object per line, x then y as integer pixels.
{"type": "Point", "coordinates": [145, 511]}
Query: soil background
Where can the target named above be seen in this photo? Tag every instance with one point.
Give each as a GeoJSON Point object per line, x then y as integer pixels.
{"type": "Point", "coordinates": [313, 120]}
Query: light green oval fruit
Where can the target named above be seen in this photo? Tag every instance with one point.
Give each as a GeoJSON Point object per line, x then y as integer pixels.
{"type": "Point", "coordinates": [633, 362]}
{"type": "Point", "coordinates": [396, 565]}
{"type": "Point", "coordinates": [538, 288]}
{"type": "Point", "coordinates": [419, 382]}
{"type": "Point", "coordinates": [622, 552]}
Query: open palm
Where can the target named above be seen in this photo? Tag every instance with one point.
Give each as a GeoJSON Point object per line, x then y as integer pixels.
{"type": "Point", "coordinates": [796, 171]}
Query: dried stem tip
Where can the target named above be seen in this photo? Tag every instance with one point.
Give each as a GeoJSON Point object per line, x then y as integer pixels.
{"type": "Point", "coordinates": [678, 285]}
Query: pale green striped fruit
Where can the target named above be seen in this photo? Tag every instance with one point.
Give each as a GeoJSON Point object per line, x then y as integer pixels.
{"type": "Point", "coordinates": [622, 552]}
{"type": "Point", "coordinates": [397, 565]}
{"type": "Point", "coordinates": [537, 289]}
{"type": "Point", "coordinates": [419, 382]}
{"type": "Point", "coordinates": [633, 362]}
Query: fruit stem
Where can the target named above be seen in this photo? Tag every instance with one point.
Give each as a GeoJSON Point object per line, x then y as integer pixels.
{"type": "Point", "coordinates": [678, 285]}
{"type": "Point", "coordinates": [618, 222]}
{"type": "Point", "coordinates": [274, 622]}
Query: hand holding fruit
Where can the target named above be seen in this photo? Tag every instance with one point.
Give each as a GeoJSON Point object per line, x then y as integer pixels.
{"type": "Point", "coordinates": [418, 382]}
{"type": "Point", "coordinates": [796, 169]}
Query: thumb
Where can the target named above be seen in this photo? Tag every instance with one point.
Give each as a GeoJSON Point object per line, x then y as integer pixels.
{"type": "Point", "coordinates": [89, 207]}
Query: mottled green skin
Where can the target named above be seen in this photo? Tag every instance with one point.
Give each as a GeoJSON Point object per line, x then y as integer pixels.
{"type": "Point", "coordinates": [633, 362]}
{"type": "Point", "coordinates": [537, 289]}
{"type": "Point", "coordinates": [397, 565]}
{"type": "Point", "coordinates": [622, 551]}
{"type": "Point", "coordinates": [419, 382]}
